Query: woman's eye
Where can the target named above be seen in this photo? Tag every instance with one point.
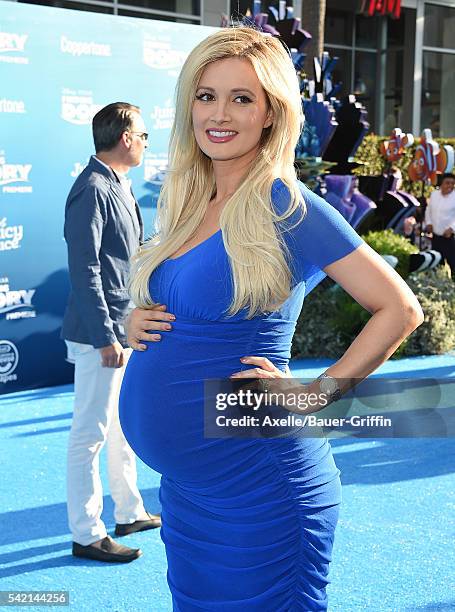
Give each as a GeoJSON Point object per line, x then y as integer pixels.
{"type": "Point", "coordinates": [243, 99]}
{"type": "Point", "coordinates": [205, 97]}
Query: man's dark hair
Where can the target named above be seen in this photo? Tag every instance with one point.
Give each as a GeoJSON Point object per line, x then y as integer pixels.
{"type": "Point", "coordinates": [447, 175]}
{"type": "Point", "coordinates": [110, 122]}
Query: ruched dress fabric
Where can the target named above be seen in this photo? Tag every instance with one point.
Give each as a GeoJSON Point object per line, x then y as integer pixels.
{"type": "Point", "coordinates": [248, 524]}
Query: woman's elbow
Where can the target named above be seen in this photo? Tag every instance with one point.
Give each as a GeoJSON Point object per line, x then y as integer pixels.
{"type": "Point", "coordinates": [413, 315]}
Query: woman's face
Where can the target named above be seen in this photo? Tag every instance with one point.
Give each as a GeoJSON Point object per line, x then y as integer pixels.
{"type": "Point", "coordinates": [230, 110]}
{"type": "Point", "coordinates": [447, 186]}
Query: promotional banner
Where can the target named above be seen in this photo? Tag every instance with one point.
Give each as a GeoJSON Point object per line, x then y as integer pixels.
{"type": "Point", "coordinates": [58, 67]}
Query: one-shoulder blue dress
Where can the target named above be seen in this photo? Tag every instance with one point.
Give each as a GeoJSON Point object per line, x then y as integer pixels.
{"type": "Point", "coordinates": [248, 524]}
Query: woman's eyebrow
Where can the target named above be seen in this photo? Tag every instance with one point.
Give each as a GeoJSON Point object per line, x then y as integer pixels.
{"type": "Point", "coordinates": [236, 90]}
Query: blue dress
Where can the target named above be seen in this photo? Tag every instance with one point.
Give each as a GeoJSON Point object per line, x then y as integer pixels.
{"type": "Point", "coordinates": [248, 525]}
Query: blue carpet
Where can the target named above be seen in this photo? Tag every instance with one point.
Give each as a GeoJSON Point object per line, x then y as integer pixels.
{"type": "Point", "coordinates": [394, 544]}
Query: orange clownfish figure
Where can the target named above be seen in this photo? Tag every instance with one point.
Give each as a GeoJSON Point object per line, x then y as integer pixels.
{"type": "Point", "coordinates": [393, 148]}
{"type": "Point", "coordinates": [430, 159]}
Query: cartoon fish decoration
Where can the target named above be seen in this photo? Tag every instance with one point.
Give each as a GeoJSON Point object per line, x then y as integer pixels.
{"type": "Point", "coordinates": [393, 148]}
{"type": "Point", "coordinates": [430, 159]}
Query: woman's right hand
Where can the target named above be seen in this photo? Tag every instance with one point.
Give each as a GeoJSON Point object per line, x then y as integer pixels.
{"type": "Point", "coordinates": [141, 321]}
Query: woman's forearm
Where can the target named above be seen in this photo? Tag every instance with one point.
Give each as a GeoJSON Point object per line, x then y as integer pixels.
{"type": "Point", "coordinates": [377, 341]}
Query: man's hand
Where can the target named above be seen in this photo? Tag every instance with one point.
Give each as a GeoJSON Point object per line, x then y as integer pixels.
{"type": "Point", "coordinates": [143, 320]}
{"type": "Point", "coordinates": [448, 233]}
{"type": "Point", "coordinates": [112, 355]}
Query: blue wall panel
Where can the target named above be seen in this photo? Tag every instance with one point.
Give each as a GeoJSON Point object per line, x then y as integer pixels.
{"type": "Point", "coordinates": [57, 68]}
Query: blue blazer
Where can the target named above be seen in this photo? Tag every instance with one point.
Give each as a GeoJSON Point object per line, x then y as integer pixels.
{"type": "Point", "coordinates": [103, 229]}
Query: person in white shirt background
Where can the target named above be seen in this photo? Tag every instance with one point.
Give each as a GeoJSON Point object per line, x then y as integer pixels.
{"type": "Point", "coordinates": [440, 220]}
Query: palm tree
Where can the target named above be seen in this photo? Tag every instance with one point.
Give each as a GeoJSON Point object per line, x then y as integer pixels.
{"type": "Point", "coordinates": [313, 18]}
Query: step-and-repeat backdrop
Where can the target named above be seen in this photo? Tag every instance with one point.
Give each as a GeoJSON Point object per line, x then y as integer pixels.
{"type": "Point", "coordinates": [57, 68]}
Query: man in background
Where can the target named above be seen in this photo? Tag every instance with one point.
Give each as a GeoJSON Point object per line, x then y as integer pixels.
{"type": "Point", "coordinates": [103, 229]}
{"type": "Point", "coordinates": [440, 220]}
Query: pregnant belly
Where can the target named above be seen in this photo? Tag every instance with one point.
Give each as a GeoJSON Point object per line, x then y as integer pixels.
{"type": "Point", "coordinates": [162, 396]}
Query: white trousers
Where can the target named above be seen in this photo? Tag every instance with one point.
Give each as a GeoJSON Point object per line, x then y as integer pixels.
{"type": "Point", "coordinates": [96, 423]}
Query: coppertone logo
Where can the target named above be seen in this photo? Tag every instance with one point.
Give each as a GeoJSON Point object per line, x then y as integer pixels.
{"type": "Point", "coordinates": [78, 107]}
{"type": "Point", "coordinates": [10, 235]}
{"type": "Point", "coordinates": [16, 304]}
{"type": "Point", "coordinates": [12, 106]}
{"type": "Point", "coordinates": [163, 116]}
{"type": "Point", "coordinates": [155, 169]}
{"type": "Point", "coordinates": [12, 44]}
{"type": "Point", "coordinates": [160, 55]}
{"type": "Point", "coordinates": [12, 174]}
{"type": "Point", "coordinates": [9, 358]}
{"type": "Point", "coordinates": [78, 48]}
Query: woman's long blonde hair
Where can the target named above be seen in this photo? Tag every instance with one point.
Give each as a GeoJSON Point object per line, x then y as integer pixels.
{"type": "Point", "coordinates": [260, 274]}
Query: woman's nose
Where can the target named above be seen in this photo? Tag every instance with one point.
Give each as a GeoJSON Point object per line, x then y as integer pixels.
{"type": "Point", "coordinates": [221, 112]}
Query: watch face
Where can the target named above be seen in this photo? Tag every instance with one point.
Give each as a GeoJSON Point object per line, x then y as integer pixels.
{"type": "Point", "coordinates": [329, 386]}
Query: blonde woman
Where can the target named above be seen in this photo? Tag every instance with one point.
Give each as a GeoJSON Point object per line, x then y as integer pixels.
{"type": "Point", "coordinates": [247, 524]}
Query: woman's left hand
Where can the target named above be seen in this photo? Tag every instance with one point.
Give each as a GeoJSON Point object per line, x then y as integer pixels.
{"type": "Point", "coordinates": [274, 380]}
{"type": "Point", "coordinates": [262, 368]}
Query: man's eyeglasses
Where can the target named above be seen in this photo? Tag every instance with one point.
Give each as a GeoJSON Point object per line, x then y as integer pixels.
{"type": "Point", "coordinates": [143, 135]}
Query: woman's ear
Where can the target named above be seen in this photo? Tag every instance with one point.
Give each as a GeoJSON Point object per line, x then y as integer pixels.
{"type": "Point", "coordinates": [269, 119]}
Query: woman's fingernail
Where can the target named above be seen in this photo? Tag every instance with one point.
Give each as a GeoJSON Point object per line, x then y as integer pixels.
{"type": "Point", "coordinates": [167, 327]}
{"type": "Point", "coordinates": [172, 318]}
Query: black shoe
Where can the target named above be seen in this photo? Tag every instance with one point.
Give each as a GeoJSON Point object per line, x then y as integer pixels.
{"type": "Point", "coordinates": [110, 551]}
{"type": "Point", "coordinates": [154, 521]}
